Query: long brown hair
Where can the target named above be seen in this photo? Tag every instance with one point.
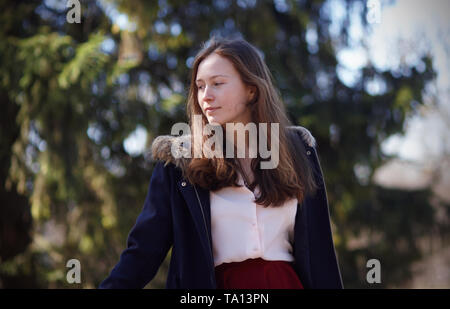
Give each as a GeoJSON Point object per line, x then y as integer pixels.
{"type": "Point", "coordinates": [293, 176]}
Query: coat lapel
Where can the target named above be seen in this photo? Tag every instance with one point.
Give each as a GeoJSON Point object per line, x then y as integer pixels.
{"type": "Point", "coordinates": [190, 196]}
{"type": "Point", "coordinates": [302, 263]}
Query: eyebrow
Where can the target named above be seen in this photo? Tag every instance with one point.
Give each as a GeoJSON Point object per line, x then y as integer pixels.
{"type": "Point", "coordinates": [214, 76]}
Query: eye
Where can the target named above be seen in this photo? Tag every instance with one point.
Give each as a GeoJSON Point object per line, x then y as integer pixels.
{"type": "Point", "coordinates": [215, 84]}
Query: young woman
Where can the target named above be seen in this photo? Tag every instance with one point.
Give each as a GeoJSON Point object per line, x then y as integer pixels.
{"type": "Point", "coordinates": [229, 222]}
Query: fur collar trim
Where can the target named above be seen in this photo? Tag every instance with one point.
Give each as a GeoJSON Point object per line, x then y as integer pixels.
{"type": "Point", "coordinates": [162, 145]}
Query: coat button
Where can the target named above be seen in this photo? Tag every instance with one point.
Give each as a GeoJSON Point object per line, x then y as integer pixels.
{"type": "Point", "coordinates": [308, 152]}
{"type": "Point", "coordinates": [183, 184]}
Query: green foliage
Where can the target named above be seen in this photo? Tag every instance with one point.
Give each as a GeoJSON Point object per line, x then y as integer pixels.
{"type": "Point", "coordinates": [88, 62]}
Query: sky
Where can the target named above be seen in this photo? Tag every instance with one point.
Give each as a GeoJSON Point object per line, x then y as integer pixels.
{"type": "Point", "coordinates": [425, 27]}
{"type": "Point", "coordinates": [404, 31]}
{"type": "Point", "coordinates": [401, 31]}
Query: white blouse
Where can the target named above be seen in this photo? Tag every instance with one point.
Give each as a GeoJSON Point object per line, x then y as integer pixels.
{"type": "Point", "coordinates": [242, 229]}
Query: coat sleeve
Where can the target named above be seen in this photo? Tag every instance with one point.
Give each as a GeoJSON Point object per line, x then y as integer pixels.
{"type": "Point", "coordinates": [324, 265]}
{"type": "Point", "coordinates": [150, 238]}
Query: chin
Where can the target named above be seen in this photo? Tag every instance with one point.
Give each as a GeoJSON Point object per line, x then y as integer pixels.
{"type": "Point", "coordinates": [214, 121]}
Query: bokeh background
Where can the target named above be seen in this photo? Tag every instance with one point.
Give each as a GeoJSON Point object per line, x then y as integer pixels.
{"type": "Point", "coordinates": [82, 102]}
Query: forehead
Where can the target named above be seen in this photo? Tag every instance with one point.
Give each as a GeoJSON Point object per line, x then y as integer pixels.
{"type": "Point", "coordinates": [214, 65]}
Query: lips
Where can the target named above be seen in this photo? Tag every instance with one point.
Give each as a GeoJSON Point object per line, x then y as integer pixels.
{"type": "Point", "coordinates": [210, 109]}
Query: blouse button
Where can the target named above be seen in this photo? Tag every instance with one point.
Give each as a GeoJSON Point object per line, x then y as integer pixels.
{"type": "Point", "coordinates": [183, 184]}
{"type": "Point", "coordinates": [308, 152]}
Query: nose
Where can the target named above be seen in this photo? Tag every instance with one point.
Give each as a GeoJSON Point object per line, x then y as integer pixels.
{"type": "Point", "coordinates": [208, 94]}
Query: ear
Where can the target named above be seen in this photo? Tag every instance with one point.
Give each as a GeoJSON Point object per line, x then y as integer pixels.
{"type": "Point", "coordinates": [251, 92]}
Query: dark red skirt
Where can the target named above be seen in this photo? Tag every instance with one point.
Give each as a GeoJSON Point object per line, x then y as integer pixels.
{"type": "Point", "coordinates": [257, 274]}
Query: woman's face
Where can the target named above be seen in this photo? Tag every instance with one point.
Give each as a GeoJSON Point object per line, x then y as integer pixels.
{"type": "Point", "coordinates": [221, 93]}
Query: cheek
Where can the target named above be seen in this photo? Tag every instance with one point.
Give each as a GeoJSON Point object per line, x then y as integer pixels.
{"type": "Point", "coordinates": [239, 107]}
{"type": "Point", "coordinates": [235, 102]}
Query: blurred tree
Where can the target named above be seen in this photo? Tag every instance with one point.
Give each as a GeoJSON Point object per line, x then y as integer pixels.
{"type": "Point", "coordinates": [75, 92]}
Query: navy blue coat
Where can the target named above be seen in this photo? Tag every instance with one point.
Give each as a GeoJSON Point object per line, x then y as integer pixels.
{"type": "Point", "coordinates": [177, 215]}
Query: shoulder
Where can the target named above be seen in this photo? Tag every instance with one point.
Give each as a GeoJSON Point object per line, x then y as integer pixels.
{"type": "Point", "coordinates": [305, 135]}
{"type": "Point", "coordinates": [171, 149]}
